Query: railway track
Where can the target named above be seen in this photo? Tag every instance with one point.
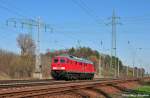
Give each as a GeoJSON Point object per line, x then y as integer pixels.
{"type": "Point", "coordinates": [26, 83]}
{"type": "Point", "coordinates": [22, 83]}
{"type": "Point", "coordinates": [30, 88]}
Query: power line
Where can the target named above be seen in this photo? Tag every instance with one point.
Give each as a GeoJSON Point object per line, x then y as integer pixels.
{"type": "Point", "coordinates": [12, 10]}
{"type": "Point", "coordinates": [135, 23]}
{"type": "Point", "coordinates": [91, 11]}
{"type": "Point", "coordinates": [136, 19]}
{"type": "Point", "coordinates": [88, 11]}
{"type": "Point", "coordinates": [10, 5]}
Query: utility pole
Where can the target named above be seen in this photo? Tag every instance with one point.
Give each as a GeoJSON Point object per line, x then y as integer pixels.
{"type": "Point", "coordinates": [140, 62]}
{"type": "Point", "coordinates": [137, 72]}
{"type": "Point", "coordinates": [38, 66]}
{"type": "Point", "coordinates": [100, 61]}
{"type": "Point", "coordinates": [78, 43]}
{"type": "Point", "coordinates": [133, 65]}
{"type": "Point", "coordinates": [133, 54]}
{"type": "Point", "coordinates": [140, 72]}
{"type": "Point", "coordinates": [127, 70]}
{"type": "Point", "coordinates": [38, 69]}
{"type": "Point", "coordinates": [118, 67]}
{"type": "Point", "coordinates": [114, 23]}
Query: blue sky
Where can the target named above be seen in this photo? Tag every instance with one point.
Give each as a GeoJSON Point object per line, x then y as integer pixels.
{"type": "Point", "coordinates": [83, 20]}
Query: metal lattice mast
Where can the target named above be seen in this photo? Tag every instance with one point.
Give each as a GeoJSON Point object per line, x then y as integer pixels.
{"type": "Point", "coordinates": [38, 58]}
{"type": "Point", "coordinates": [114, 23]}
{"type": "Point", "coordinates": [38, 66]}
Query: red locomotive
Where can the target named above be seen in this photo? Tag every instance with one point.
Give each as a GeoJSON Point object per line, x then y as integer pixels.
{"type": "Point", "coordinates": [71, 68]}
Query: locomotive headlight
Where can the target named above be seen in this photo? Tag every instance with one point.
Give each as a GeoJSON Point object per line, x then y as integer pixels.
{"type": "Point", "coordinates": [54, 67]}
{"type": "Point", "coordinates": [62, 67]}
{"type": "Point", "coordinates": [58, 68]}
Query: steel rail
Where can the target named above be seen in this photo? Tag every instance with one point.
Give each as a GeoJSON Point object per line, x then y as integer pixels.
{"type": "Point", "coordinates": [27, 83]}
{"type": "Point", "coordinates": [55, 88]}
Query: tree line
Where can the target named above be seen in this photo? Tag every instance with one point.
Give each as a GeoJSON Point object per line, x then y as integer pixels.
{"type": "Point", "coordinates": [22, 65]}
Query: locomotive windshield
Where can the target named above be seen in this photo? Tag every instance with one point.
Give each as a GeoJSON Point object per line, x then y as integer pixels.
{"type": "Point", "coordinates": [62, 60]}
{"type": "Point", "coordinates": [55, 60]}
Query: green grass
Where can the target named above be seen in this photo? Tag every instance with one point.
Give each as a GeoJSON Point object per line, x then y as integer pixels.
{"type": "Point", "coordinates": [144, 89]}
{"type": "Point", "coordinates": [141, 92]}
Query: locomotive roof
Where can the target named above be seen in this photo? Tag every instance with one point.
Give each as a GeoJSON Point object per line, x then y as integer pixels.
{"type": "Point", "coordinates": [76, 59]}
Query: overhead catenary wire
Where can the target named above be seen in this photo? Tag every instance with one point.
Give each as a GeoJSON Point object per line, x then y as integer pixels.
{"type": "Point", "coordinates": [92, 12]}
{"type": "Point", "coordinates": [10, 4]}
{"type": "Point", "coordinates": [145, 19]}
{"type": "Point", "coordinates": [13, 10]}
{"type": "Point", "coordinates": [88, 11]}
{"type": "Point", "coordinates": [137, 17]}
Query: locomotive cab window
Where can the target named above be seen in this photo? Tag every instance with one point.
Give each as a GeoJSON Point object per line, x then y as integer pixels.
{"type": "Point", "coordinates": [62, 60]}
{"type": "Point", "coordinates": [55, 60]}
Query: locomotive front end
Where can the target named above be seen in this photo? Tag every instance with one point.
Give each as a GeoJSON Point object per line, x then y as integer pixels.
{"type": "Point", "coordinates": [58, 68]}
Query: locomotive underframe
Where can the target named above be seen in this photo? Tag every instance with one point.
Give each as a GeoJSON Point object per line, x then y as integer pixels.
{"type": "Point", "coordinates": [64, 75]}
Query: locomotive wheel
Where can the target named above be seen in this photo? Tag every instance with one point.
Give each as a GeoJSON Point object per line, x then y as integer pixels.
{"type": "Point", "coordinates": [58, 75]}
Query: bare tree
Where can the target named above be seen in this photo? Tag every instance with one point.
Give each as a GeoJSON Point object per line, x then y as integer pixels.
{"type": "Point", "coordinates": [26, 44]}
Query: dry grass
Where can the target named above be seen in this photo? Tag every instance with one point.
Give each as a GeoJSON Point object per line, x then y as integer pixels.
{"type": "Point", "coordinates": [4, 76]}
